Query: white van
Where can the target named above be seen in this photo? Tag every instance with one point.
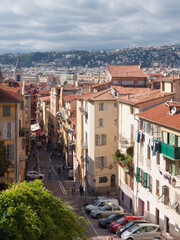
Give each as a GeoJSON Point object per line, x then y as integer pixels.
{"type": "Point", "coordinates": [101, 203]}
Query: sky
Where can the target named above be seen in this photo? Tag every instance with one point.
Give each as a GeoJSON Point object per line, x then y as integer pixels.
{"type": "Point", "coordinates": [58, 25]}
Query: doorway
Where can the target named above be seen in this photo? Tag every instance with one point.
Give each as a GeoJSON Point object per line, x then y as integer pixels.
{"type": "Point", "coordinates": [113, 181]}
{"type": "Point", "coordinates": [166, 224]}
{"type": "Point", "coordinates": [157, 216]}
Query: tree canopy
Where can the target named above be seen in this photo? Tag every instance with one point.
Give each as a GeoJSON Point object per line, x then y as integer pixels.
{"type": "Point", "coordinates": [4, 162]}
{"type": "Point", "coordinates": [30, 211]}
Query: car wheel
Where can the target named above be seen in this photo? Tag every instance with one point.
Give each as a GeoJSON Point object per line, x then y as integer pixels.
{"type": "Point", "coordinates": [98, 216]}
{"type": "Point", "coordinates": [130, 239]}
{"type": "Point", "coordinates": [40, 177]}
{"type": "Point", "coordinates": [107, 225]}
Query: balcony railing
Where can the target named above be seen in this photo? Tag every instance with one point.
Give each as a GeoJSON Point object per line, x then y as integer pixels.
{"type": "Point", "coordinates": [83, 111]}
{"type": "Point", "coordinates": [168, 150]}
{"type": "Point", "coordinates": [125, 142]}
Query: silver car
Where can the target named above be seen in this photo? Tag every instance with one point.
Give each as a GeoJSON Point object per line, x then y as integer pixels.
{"type": "Point", "coordinates": [34, 175]}
{"type": "Point", "coordinates": [143, 231]}
{"type": "Point", "coordinates": [106, 211]}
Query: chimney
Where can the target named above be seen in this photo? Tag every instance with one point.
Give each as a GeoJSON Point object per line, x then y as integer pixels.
{"type": "Point", "coordinates": [140, 65]}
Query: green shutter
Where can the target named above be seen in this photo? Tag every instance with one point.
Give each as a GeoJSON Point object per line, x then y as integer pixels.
{"type": "Point", "coordinates": [173, 168]}
{"type": "Point", "coordinates": [166, 137]}
{"type": "Point", "coordinates": [144, 180]}
{"type": "Point", "coordinates": [172, 139]}
{"type": "Point", "coordinates": [137, 174]}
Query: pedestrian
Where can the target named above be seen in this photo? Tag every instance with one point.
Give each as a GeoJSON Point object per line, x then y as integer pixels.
{"type": "Point", "coordinates": [50, 171]}
{"type": "Point", "coordinates": [81, 190]}
{"type": "Point", "coordinates": [59, 170]}
{"type": "Point", "coordinates": [73, 190]}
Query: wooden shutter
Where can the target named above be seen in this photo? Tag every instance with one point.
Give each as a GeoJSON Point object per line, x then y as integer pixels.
{"type": "Point", "coordinates": [12, 130]}
{"type": "Point", "coordinates": [4, 130]}
{"type": "Point", "coordinates": [96, 162]}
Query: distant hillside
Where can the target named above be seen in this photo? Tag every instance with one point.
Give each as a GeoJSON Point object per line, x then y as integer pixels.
{"type": "Point", "coordinates": [149, 56]}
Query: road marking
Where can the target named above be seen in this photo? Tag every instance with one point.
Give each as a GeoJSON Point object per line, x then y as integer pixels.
{"type": "Point", "coordinates": [62, 188]}
{"type": "Point", "coordinates": [91, 224]}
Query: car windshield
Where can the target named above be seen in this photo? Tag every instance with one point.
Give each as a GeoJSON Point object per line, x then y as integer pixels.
{"type": "Point", "coordinates": [112, 216]}
{"type": "Point", "coordinates": [128, 225]}
{"type": "Point", "coordinates": [104, 208]}
{"type": "Point", "coordinates": [121, 220]}
{"type": "Point", "coordinates": [133, 229]}
{"type": "Point", "coordinates": [97, 203]}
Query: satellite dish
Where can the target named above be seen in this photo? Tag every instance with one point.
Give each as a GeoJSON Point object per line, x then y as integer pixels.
{"type": "Point", "coordinates": [173, 110]}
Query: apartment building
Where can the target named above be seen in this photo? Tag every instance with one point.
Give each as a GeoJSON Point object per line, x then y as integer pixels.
{"type": "Point", "coordinates": [157, 166]}
{"type": "Point", "coordinates": [126, 75]}
{"type": "Point", "coordinates": [12, 133]}
{"type": "Point", "coordinates": [96, 141]}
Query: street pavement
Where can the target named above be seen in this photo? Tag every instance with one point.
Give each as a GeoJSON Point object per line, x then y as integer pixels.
{"type": "Point", "coordinates": [59, 184]}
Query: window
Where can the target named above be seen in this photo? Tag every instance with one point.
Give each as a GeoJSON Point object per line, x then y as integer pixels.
{"type": "Point", "coordinates": [8, 130]}
{"type": "Point", "coordinates": [100, 139]}
{"type": "Point", "coordinates": [102, 106]}
{"type": "Point", "coordinates": [122, 196]}
{"type": "Point", "coordinates": [103, 179]}
{"type": "Point", "coordinates": [131, 205]}
{"type": "Point", "coordinates": [18, 78]}
{"type": "Point", "coordinates": [10, 152]}
{"type": "Point", "coordinates": [157, 187]}
{"type": "Point", "coordinates": [6, 110]}
{"type": "Point", "coordinates": [115, 104]}
{"type": "Point", "coordinates": [148, 152]}
{"type": "Point", "coordinates": [103, 139]}
{"type": "Point", "coordinates": [101, 162]}
{"type": "Point", "coordinates": [100, 122]}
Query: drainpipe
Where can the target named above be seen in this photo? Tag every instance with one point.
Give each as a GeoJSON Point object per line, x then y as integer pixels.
{"type": "Point", "coordinates": [137, 190]}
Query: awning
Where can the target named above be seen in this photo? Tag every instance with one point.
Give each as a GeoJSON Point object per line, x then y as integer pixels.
{"type": "Point", "coordinates": [38, 132]}
{"type": "Point", "coordinates": [35, 127]}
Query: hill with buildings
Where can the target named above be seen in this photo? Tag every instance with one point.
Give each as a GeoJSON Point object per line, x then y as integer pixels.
{"type": "Point", "coordinates": [163, 56]}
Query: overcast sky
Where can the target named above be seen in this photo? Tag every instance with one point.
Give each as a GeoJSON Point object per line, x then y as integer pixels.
{"type": "Point", "coordinates": [45, 25]}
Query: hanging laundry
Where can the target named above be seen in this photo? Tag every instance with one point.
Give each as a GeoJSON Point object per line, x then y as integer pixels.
{"type": "Point", "coordinates": [151, 143]}
{"type": "Point", "coordinates": [160, 172]}
{"type": "Point", "coordinates": [137, 136]}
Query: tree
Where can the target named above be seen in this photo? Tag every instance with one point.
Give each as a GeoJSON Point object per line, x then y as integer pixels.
{"type": "Point", "coordinates": [4, 162]}
{"type": "Point", "coordinates": [29, 211]}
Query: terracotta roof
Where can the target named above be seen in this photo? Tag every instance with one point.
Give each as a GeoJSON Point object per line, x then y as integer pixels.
{"type": "Point", "coordinates": [45, 99]}
{"type": "Point", "coordinates": [44, 92]}
{"type": "Point", "coordinates": [70, 97]}
{"type": "Point", "coordinates": [131, 95]}
{"type": "Point", "coordinates": [170, 78]}
{"type": "Point", "coordinates": [160, 115]}
{"type": "Point", "coordinates": [8, 97]}
{"type": "Point", "coordinates": [100, 84]}
{"type": "Point", "coordinates": [126, 71]}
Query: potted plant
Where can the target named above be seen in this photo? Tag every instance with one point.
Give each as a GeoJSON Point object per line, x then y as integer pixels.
{"type": "Point", "coordinates": [131, 109]}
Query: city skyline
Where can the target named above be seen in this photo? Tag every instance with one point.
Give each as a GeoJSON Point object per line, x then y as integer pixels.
{"type": "Point", "coordinates": [87, 25]}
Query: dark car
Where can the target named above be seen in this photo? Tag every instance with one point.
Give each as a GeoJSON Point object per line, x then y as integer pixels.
{"type": "Point", "coordinates": [122, 229]}
{"type": "Point", "coordinates": [104, 222]}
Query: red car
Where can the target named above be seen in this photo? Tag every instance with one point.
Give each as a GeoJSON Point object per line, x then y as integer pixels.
{"type": "Point", "coordinates": [121, 222]}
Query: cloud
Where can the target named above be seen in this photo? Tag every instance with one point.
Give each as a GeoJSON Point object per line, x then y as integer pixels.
{"type": "Point", "coordinates": [43, 25]}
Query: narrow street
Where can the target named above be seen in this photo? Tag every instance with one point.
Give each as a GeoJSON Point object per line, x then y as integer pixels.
{"type": "Point", "coordinates": [61, 186]}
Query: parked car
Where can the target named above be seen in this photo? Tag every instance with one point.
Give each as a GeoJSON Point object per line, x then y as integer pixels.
{"type": "Point", "coordinates": [101, 203]}
{"type": "Point", "coordinates": [142, 231]}
{"type": "Point", "coordinates": [121, 222]}
{"type": "Point", "coordinates": [122, 229]}
{"type": "Point", "coordinates": [34, 175]}
{"type": "Point", "coordinates": [106, 211]}
{"type": "Point", "coordinates": [104, 222]}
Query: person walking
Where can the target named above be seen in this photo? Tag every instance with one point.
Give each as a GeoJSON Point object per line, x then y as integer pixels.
{"type": "Point", "coordinates": [81, 190]}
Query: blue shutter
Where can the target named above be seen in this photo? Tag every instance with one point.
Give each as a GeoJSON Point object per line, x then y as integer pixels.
{"type": "Point", "coordinates": [152, 133]}
{"type": "Point", "coordinates": [144, 124]}
{"type": "Point", "coordinates": [146, 127]}
{"type": "Point", "coordinates": [139, 124]}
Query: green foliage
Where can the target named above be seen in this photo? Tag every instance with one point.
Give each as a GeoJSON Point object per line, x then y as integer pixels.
{"type": "Point", "coordinates": [4, 162]}
{"type": "Point", "coordinates": [29, 211]}
{"type": "Point", "coordinates": [126, 159]}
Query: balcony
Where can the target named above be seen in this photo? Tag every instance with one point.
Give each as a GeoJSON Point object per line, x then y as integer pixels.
{"type": "Point", "coordinates": [125, 142]}
{"type": "Point", "coordinates": [83, 111]}
{"type": "Point", "coordinates": [84, 145]}
{"type": "Point", "coordinates": [168, 150]}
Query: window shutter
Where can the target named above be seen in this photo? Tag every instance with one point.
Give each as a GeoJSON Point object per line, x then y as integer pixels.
{"type": "Point", "coordinates": [144, 124]}
{"type": "Point", "coordinates": [9, 130]}
{"type": "Point", "coordinates": [96, 162]}
{"type": "Point", "coordinates": [12, 130]}
{"type": "Point", "coordinates": [173, 168]}
{"type": "Point", "coordinates": [105, 162]}
{"type": "Point", "coordinates": [139, 125]}
{"type": "Point", "coordinates": [151, 129]}
{"type": "Point", "coordinates": [4, 130]}
{"type": "Point", "coordinates": [103, 139]}
{"type": "Point", "coordinates": [12, 152]}
{"type": "Point", "coordinates": [97, 139]}
{"type": "Point", "coordinates": [146, 127]}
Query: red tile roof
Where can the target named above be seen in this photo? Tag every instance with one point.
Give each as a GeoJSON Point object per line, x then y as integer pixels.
{"type": "Point", "coordinates": [100, 84]}
{"type": "Point", "coordinates": [45, 99]}
{"type": "Point", "coordinates": [160, 115]}
{"type": "Point", "coordinates": [73, 120]}
{"type": "Point", "coordinates": [118, 71]}
{"type": "Point", "coordinates": [8, 97]}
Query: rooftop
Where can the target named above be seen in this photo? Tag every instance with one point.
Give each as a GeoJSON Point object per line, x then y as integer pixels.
{"type": "Point", "coordinates": [117, 71]}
